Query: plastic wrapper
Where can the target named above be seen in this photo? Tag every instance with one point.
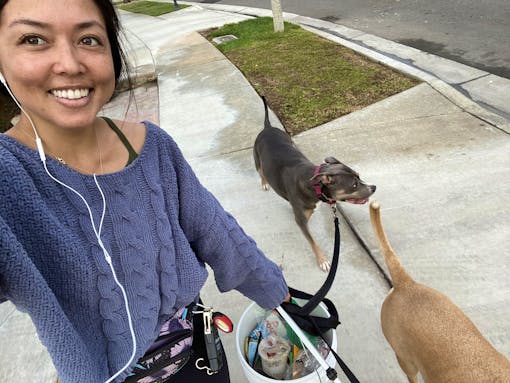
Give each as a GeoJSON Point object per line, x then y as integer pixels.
{"type": "Point", "coordinates": [305, 363]}
{"type": "Point", "coordinates": [274, 353]}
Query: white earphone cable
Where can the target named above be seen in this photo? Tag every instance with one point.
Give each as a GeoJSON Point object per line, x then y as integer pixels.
{"type": "Point", "coordinates": [124, 294]}
{"type": "Point", "coordinates": [97, 231]}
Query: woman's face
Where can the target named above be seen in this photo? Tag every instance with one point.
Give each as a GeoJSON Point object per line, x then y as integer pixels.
{"type": "Point", "coordinates": [56, 58]}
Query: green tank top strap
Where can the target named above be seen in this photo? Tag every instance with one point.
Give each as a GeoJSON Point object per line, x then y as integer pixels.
{"type": "Point", "coordinates": [132, 153]}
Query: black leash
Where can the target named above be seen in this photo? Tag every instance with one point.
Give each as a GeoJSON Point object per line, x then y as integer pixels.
{"type": "Point", "coordinates": [315, 325]}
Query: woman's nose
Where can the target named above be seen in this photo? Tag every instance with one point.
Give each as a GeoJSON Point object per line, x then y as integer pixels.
{"type": "Point", "coordinates": [67, 60]}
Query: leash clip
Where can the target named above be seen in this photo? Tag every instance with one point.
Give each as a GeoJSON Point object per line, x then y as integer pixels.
{"type": "Point", "coordinates": [204, 367]}
{"type": "Point", "coordinates": [335, 210]}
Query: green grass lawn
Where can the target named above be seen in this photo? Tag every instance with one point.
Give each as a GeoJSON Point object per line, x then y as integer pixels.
{"type": "Point", "coordinates": [151, 8]}
{"type": "Point", "coordinates": [307, 79]}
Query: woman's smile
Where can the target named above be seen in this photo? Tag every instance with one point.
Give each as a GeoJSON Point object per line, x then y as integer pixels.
{"type": "Point", "coordinates": [72, 97]}
{"type": "Point", "coordinates": [71, 94]}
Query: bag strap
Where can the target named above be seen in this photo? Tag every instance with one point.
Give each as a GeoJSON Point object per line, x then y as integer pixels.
{"type": "Point", "coordinates": [315, 325]}
{"type": "Point", "coordinates": [301, 314]}
{"type": "Point", "coordinates": [303, 320]}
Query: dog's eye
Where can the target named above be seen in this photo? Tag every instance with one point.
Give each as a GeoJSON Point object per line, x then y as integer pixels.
{"type": "Point", "coordinates": [355, 185]}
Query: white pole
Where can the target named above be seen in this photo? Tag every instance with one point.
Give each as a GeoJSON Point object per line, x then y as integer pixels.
{"type": "Point", "coordinates": [305, 340]}
{"type": "Point", "coordinates": [276, 6]}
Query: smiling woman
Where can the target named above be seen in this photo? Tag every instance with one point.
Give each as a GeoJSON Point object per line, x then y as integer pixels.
{"type": "Point", "coordinates": [104, 227]}
{"type": "Point", "coordinates": [50, 59]}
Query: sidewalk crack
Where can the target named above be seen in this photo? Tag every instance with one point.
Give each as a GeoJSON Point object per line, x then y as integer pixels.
{"type": "Point", "coordinates": [473, 79]}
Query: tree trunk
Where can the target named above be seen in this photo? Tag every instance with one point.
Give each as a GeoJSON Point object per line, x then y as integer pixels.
{"type": "Point", "coordinates": [276, 5]}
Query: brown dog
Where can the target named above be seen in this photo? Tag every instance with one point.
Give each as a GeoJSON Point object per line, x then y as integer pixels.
{"type": "Point", "coordinates": [429, 333]}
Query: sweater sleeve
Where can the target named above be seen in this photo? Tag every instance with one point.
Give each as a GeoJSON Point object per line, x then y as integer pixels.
{"type": "Point", "coordinates": [217, 239]}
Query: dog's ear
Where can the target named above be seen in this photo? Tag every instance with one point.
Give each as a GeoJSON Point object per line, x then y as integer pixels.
{"type": "Point", "coordinates": [330, 170]}
{"type": "Point", "coordinates": [323, 178]}
{"type": "Point", "coordinates": [331, 160]}
{"type": "Point", "coordinates": [334, 161]}
{"type": "Point", "coordinates": [337, 167]}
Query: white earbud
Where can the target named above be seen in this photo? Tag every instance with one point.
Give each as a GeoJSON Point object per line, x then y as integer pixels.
{"type": "Point", "coordinates": [2, 79]}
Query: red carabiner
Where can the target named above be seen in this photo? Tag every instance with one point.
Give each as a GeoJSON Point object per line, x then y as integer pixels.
{"type": "Point", "coordinates": [222, 322]}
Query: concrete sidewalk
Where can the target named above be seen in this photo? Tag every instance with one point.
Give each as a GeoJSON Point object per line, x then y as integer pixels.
{"type": "Point", "coordinates": [440, 161]}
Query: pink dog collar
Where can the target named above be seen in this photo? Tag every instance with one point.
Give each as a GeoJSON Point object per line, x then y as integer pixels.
{"type": "Point", "coordinates": [317, 186]}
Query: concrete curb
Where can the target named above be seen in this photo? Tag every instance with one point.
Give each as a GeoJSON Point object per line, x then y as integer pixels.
{"type": "Point", "coordinates": [452, 94]}
{"type": "Point", "coordinates": [352, 39]}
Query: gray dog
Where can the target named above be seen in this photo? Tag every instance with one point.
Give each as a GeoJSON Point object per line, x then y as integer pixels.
{"type": "Point", "coordinates": [293, 177]}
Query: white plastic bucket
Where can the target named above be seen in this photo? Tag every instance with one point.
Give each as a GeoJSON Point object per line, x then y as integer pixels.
{"type": "Point", "coordinates": [248, 322]}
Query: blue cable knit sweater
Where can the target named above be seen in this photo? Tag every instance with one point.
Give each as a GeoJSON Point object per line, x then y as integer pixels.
{"type": "Point", "coordinates": [161, 226]}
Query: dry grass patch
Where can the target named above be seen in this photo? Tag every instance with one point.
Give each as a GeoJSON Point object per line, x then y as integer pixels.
{"type": "Point", "coordinates": [307, 79]}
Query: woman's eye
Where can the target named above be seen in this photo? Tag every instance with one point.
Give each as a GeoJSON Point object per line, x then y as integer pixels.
{"type": "Point", "coordinates": [33, 40]}
{"type": "Point", "coordinates": [90, 41]}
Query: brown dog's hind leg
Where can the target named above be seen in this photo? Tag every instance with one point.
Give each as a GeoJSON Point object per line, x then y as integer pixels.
{"type": "Point", "coordinates": [409, 369]}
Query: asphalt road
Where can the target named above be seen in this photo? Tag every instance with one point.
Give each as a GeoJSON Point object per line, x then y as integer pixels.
{"type": "Point", "coordinates": [472, 32]}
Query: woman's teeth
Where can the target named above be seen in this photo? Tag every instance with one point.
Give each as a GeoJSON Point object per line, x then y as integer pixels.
{"type": "Point", "coordinates": [71, 94]}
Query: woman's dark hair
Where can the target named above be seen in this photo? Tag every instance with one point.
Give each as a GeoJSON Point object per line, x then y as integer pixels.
{"type": "Point", "coordinates": [112, 23]}
{"type": "Point", "coordinates": [113, 28]}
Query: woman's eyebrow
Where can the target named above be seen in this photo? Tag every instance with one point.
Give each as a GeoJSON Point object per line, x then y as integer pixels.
{"type": "Point", "coordinates": [43, 25]}
{"type": "Point", "coordinates": [30, 22]}
{"type": "Point", "coordinates": [90, 24]}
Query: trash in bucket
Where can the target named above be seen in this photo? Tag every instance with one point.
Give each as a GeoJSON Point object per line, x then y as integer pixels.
{"type": "Point", "coordinates": [267, 354]}
{"type": "Point", "coordinates": [274, 354]}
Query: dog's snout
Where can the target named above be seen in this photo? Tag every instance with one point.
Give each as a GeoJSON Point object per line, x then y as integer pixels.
{"type": "Point", "coordinates": [372, 188]}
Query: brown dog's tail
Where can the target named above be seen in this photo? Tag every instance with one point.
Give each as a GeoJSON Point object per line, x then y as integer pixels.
{"type": "Point", "coordinates": [399, 275]}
